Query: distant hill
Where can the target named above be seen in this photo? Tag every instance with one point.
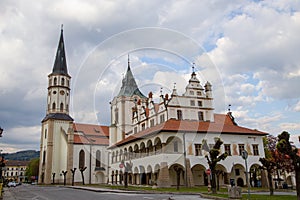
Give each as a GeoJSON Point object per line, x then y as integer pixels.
{"type": "Point", "coordinates": [22, 155]}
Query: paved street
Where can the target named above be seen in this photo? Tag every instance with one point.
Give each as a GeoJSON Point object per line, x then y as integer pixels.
{"type": "Point", "coordinates": [24, 192]}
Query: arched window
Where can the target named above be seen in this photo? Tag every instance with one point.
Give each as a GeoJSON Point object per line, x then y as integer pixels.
{"type": "Point", "coordinates": [50, 82]}
{"type": "Point", "coordinates": [45, 133]}
{"type": "Point", "coordinates": [62, 81]}
{"type": "Point", "coordinates": [67, 107]}
{"type": "Point", "coordinates": [81, 159]}
{"type": "Point", "coordinates": [98, 158]}
{"type": "Point", "coordinates": [44, 157]}
{"type": "Point", "coordinates": [53, 106]}
{"type": "Point", "coordinates": [61, 107]}
{"type": "Point", "coordinates": [55, 81]}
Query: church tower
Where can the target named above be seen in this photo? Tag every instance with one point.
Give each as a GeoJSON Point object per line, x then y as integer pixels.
{"type": "Point", "coordinates": [121, 107]}
{"type": "Point", "coordinates": [56, 136]}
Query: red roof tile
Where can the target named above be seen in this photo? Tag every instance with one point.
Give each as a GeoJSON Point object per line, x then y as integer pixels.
{"type": "Point", "coordinates": [91, 129]}
{"type": "Point", "coordinates": [223, 124]}
{"type": "Point", "coordinates": [91, 134]}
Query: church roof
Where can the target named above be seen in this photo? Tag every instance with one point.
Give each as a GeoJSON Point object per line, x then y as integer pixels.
{"type": "Point", "coordinates": [60, 64]}
{"type": "Point", "coordinates": [91, 134]}
{"type": "Point", "coordinates": [58, 116]}
{"type": "Point", "coordinates": [129, 86]}
{"type": "Point", "coordinates": [223, 124]}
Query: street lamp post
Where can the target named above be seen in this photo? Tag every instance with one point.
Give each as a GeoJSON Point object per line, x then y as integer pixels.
{"type": "Point", "coordinates": [245, 156]}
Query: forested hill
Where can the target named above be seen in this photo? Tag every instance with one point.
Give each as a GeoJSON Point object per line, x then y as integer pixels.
{"type": "Point", "coordinates": [22, 155]}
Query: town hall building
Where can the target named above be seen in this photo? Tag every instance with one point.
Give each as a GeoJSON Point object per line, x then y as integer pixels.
{"type": "Point", "coordinates": [150, 142]}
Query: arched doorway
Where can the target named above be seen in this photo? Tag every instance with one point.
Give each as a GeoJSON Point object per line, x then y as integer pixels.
{"type": "Point", "coordinates": [174, 171]}
{"type": "Point", "coordinates": [255, 176]}
{"type": "Point", "coordinates": [240, 182]}
{"type": "Point", "coordinates": [199, 175]}
{"type": "Point", "coordinates": [100, 177]}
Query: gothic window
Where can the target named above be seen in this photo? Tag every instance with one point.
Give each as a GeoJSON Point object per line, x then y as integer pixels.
{"type": "Point", "coordinates": [62, 81]}
{"type": "Point", "coordinates": [81, 159]}
{"type": "Point", "coordinates": [98, 158]}
{"type": "Point", "coordinates": [255, 149]}
{"type": "Point", "coordinates": [53, 106]}
{"type": "Point", "coordinates": [61, 107]}
{"type": "Point", "coordinates": [198, 150]}
{"type": "Point", "coordinates": [200, 116]}
{"type": "Point", "coordinates": [179, 114]}
{"type": "Point", "coordinates": [55, 81]}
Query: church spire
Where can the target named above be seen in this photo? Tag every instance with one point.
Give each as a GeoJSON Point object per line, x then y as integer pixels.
{"type": "Point", "coordinates": [129, 86]}
{"type": "Point", "coordinates": [60, 63]}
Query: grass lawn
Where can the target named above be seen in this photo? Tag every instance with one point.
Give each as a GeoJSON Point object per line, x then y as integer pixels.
{"type": "Point", "coordinates": [203, 190]}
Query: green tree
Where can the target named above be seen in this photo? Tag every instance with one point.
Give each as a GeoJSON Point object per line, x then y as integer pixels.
{"type": "Point", "coordinates": [285, 147]}
{"type": "Point", "coordinates": [213, 159]}
{"type": "Point", "coordinates": [33, 168]}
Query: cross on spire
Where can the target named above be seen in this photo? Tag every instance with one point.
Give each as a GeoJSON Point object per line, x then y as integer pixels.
{"type": "Point", "coordinates": [193, 67]}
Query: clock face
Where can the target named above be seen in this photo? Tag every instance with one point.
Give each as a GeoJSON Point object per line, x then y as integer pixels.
{"type": "Point", "coordinates": [62, 92]}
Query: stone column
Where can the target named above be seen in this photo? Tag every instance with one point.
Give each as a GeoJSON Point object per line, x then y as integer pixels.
{"type": "Point", "coordinates": [164, 176]}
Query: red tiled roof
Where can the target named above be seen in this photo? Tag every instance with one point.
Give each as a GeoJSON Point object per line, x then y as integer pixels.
{"type": "Point", "coordinates": [16, 163]}
{"type": "Point", "coordinates": [91, 134]}
{"type": "Point", "coordinates": [223, 124]}
{"type": "Point", "coordinates": [91, 129]}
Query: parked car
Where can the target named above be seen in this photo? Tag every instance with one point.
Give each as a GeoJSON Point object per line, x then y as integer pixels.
{"type": "Point", "coordinates": [12, 184]}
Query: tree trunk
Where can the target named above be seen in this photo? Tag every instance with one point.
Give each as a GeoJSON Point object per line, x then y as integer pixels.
{"type": "Point", "coordinates": [270, 183]}
{"type": "Point", "coordinates": [213, 182]}
{"type": "Point", "coordinates": [82, 176]}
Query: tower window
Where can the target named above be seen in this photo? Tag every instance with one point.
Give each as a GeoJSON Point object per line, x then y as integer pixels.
{"type": "Point", "coordinates": [61, 107]}
{"type": "Point", "coordinates": [67, 107]}
{"type": "Point", "coordinates": [62, 81]}
{"type": "Point", "coordinates": [81, 159]}
{"type": "Point", "coordinates": [179, 114]}
{"type": "Point", "coordinates": [55, 81]}
{"type": "Point", "coordinates": [68, 83]}
{"type": "Point", "coordinates": [44, 157]}
{"type": "Point", "coordinates": [53, 106]}
{"type": "Point", "coordinates": [45, 133]}
{"type": "Point", "coordinates": [50, 82]}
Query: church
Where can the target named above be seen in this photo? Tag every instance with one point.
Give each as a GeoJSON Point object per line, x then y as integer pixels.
{"type": "Point", "coordinates": [146, 142]}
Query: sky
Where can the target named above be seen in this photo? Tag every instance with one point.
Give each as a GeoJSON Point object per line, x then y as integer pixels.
{"type": "Point", "coordinates": [247, 50]}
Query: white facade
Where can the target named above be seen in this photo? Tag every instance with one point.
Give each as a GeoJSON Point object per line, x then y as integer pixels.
{"type": "Point", "coordinates": [153, 140]}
